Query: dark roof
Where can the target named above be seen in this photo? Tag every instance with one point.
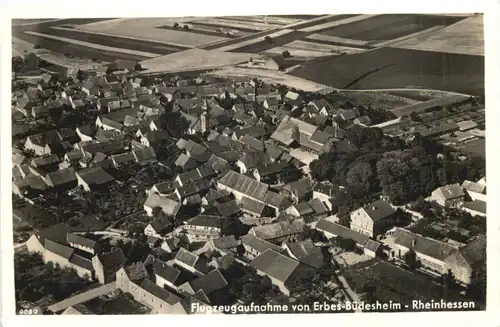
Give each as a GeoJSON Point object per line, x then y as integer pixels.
{"type": "Point", "coordinates": [159, 292]}
{"type": "Point", "coordinates": [214, 195]}
{"type": "Point", "coordinates": [227, 209]}
{"type": "Point", "coordinates": [318, 206]}
{"type": "Point", "coordinates": [372, 245]}
{"type": "Point", "coordinates": [55, 233]}
{"type": "Point", "coordinates": [476, 205]}
{"type": "Point", "coordinates": [225, 242]}
{"type": "Point", "coordinates": [59, 249]}
{"type": "Point", "coordinates": [186, 257]}
{"type": "Point", "coordinates": [80, 240]}
{"type": "Point", "coordinates": [252, 206]}
{"type": "Point", "coordinates": [424, 245]}
{"type": "Point", "coordinates": [342, 231]}
{"type": "Point", "coordinates": [159, 225]}
{"type": "Point", "coordinates": [165, 271]}
{"type": "Point", "coordinates": [278, 229]}
{"type": "Point", "coordinates": [81, 262]}
{"type": "Point", "coordinates": [244, 184]}
{"type": "Point", "coordinates": [61, 177]}
{"type": "Point", "coordinates": [275, 265]}
{"type": "Point", "coordinates": [95, 176]}
{"type": "Point", "coordinates": [475, 251]}
{"type": "Point", "coordinates": [136, 271]}
{"type": "Point", "coordinates": [308, 253]}
{"type": "Point", "coordinates": [205, 220]}
{"type": "Point", "coordinates": [258, 244]}
{"type": "Point", "coordinates": [379, 210]}
{"type": "Point", "coordinates": [112, 260]}
{"type": "Point", "coordinates": [210, 282]}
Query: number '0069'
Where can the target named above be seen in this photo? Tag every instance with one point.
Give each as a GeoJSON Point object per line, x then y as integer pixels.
{"type": "Point", "coordinates": [28, 311]}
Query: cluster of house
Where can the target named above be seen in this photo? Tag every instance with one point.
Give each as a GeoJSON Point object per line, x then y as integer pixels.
{"type": "Point", "coordinates": [251, 164]}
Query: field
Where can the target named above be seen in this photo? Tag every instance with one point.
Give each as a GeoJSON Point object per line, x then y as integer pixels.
{"type": "Point", "coordinates": [194, 59]}
{"type": "Point", "coordinates": [388, 27]}
{"type": "Point", "coordinates": [85, 49]}
{"type": "Point", "coordinates": [464, 37]}
{"type": "Point", "coordinates": [60, 60]}
{"type": "Point", "coordinates": [388, 68]}
{"type": "Point", "coordinates": [147, 29]}
{"type": "Point", "coordinates": [115, 41]}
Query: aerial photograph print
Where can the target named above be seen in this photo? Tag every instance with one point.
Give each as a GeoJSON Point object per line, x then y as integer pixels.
{"type": "Point", "coordinates": [263, 164]}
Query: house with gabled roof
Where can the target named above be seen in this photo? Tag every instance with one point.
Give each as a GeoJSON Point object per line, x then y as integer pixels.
{"type": "Point", "coordinates": [159, 227]}
{"type": "Point", "coordinates": [92, 178]}
{"type": "Point", "coordinates": [373, 219]}
{"type": "Point", "coordinates": [165, 275]}
{"type": "Point", "coordinates": [448, 195]}
{"type": "Point", "coordinates": [190, 262]}
{"type": "Point", "coordinates": [168, 206]}
{"type": "Point", "coordinates": [431, 253]}
{"type": "Point", "coordinates": [468, 260]}
{"type": "Point", "coordinates": [107, 264]}
{"type": "Point", "coordinates": [170, 244]}
{"type": "Point", "coordinates": [205, 285]}
{"type": "Point", "coordinates": [63, 179]}
{"type": "Point", "coordinates": [203, 228]}
{"type": "Point", "coordinates": [474, 190]}
{"type": "Point", "coordinates": [279, 231]}
{"type": "Point", "coordinates": [279, 268]}
{"type": "Point", "coordinates": [306, 252]}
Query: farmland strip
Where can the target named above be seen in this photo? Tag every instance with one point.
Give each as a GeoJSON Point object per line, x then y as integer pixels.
{"type": "Point", "coordinates": [249, 27]}
{"type": "Point", "coordinates": [115, 41]}
{"type": "Point", "coordinates": [336, 39]}
{"type": "Point", "coordinates": [255, 40]}
{"type": "Point", "coordinates": [93, 45]}
{"type": "Point", "coordinates": [263, 44]}
{"type": "Point", "coordinates": [269, 19]}
{"type": "Point", "coordinates": [320, 27]}
{"type": "Point", "coordinates": [409, 36]}
{"type": "Point", "coordinates": [319, 20]}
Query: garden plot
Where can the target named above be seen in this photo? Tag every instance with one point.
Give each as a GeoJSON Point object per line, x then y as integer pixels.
{"type": "Point", "coordinates": [147, 29]}
{"type": "Point", "coordinates": [464, 37]}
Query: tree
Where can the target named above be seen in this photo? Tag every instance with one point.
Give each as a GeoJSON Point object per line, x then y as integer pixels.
{"type": "Point", "coordinates": [360, 176]}
{"type": "Point", "coordinates": [411, 259]}
{"type": "Point", "coordinates": [186, 27]}
{"type": "Point", "coordinates": [176, 25]}
{"type": "Point", "coordinates": [36, 46]}
{"type": "Point", "coordinates": [268, 39]}
{"type": "Point", "coordinates": [285, 54]}
{"type": "Point", "coordinates": [137, 66]}
{"type": "Point", "coordinates": [415, 117]}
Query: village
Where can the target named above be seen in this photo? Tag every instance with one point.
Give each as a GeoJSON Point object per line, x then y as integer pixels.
{"type": "Point", "coordinates": [152, 193]}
